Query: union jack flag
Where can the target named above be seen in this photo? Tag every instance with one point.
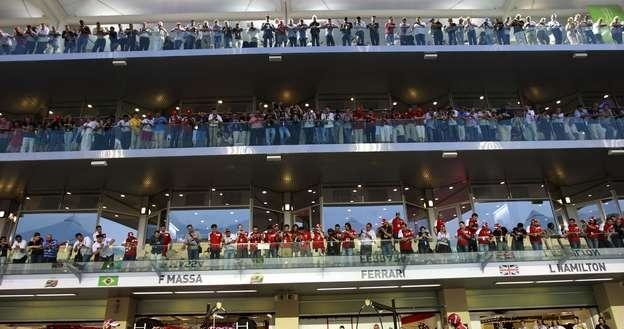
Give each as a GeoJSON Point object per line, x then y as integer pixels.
{"type": "Point", "coordinates": [509, 269]}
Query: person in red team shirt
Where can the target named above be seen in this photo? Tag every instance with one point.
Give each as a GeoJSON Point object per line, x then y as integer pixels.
{"type": "Point", "coordinates": [406, 236]}
{"type": "Point", "coordinates": [348, 238]}
{"type": "Point", "coordinates": [216, 242]}
{"type": "Point", "coordinates": [464, 234]}
{"type": "Point", "coordinates": [271, 237]}
{"type": "Point", "coordinates": [439, 224]}
{"type": "Point", "coordinates": [166, 240]}
{"type": "Point", "coordinates": [592, 232]}
{"type": "Point", "coordinates": [255, 237]}
{"type": "Point", "coordinates": [535, 235]}
{"type": "Point", "coordinates": [484, 237]}
{"type": "Point", "coordinates": [573, 234]}
{"type": "Point", "coordinates": [286, 238]}
{"type": "Point", "coordinates": [130, 245]}
{"type": "Point", "coordinates": [305, 238]}
{"type": "Point", "coordinates": [397, 224]}
{"type": "Point", "coordinates": [318, 241]}
{"type": "Point", "coordinates": [242, 241]}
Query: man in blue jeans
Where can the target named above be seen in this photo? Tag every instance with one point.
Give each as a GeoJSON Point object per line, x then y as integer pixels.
{"type": "Point", "coordinates": [83, 37]}
{"type": "Point", "coordinates": [192, 243]}
{"type": "Point", "coordinates": [384, 232]}
{"type": "Point", "coordinates": [345, 28]}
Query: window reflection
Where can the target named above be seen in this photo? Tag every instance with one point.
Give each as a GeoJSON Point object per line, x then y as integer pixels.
{"type": "Point", "coordinates": [117, 226]}
{"type": "Point", "coordinates": [587, 211]}
{"type": "Point", "coordinates": [63, 226]}
{"type": "Point", "coordinates": [201, 219]}
{"type": "Point", "coordinates": [610, 207]}
{"type": "Point", "coordinates": [510, 213]}
{"type": "Point", "coordinates": [358, 216]}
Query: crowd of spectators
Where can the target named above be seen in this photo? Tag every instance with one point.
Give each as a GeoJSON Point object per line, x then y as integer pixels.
{"type": "Point", "coordinates": [277, 32]}
{"type": "Point", "coordinates": [293, 124]}
{"type": "Point", "coordinates": [391, 238]}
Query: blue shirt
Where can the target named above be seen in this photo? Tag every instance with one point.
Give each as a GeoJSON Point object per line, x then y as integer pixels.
{"type": "Point", "coordinates": [50, 248]}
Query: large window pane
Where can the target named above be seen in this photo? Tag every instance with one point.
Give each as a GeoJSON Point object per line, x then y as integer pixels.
{"type": "Point", "coordinates": [263, 218]}
{"type": "Point", "coordinates": [201, 219]}
{"type": "Point", "coordinates": [510, 213]}
{"type": "Point", "coordinates": [117, 226]}
{"type": "Point", "coordinates": [587, 211]}
{"type": "Point", "coordinates": [62, 225]}
{"type": "Point", "coordinates": [610, 207]}
{"type": "Point", "coordinates": [358, 216]}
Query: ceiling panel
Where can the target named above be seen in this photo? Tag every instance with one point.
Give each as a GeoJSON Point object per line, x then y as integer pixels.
{"type": "Point", "coordinates": [18, 9]}
{"type": "Point", "coordinates": [158, 7]}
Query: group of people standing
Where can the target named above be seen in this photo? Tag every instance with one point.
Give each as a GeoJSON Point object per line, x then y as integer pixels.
{"type": "Point", "coordinates": [278, 32]}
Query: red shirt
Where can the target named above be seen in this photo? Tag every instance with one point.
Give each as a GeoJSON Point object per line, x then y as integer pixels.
{"type": "Point", "coordinates": [439, 224]}
{"type": "Point", "coordinates": [287, 239]}
{"type": "Point", "coordinates": [535, 233]}
{"type": "Point", "coordinates": [484, 235]}
{"type": "Point", "coordinates": [166, 240]}
{"type": "Point", "coordinates": [215, 240]}
{"type": "Point", "coordinates": [242, 239]}
{"type": "Point", "coordinates": [272, 239]}
{"type": "Point", "coordinates": [592, 231]}
{"type": "Point", "coordinates": [318, 241]}
{"type": "Point", "coordinates": [463, 236]}
{"type": "Point", "coordinates": [396, 225]}
{"type": "Point", "coordinates": [606, 230]}
{"type": "Point", "coordinates": [305, 237]}
{"type": "Point", "coordinates": [574, 233]}
{"type": "Point", "coordinates": [347, 239]}
{"type": "Point", "coordinates": [254, 239]}
{"type": "Point", "coordinates": [389, 27]}
{"type": "Point", "coordinates": [406, 245]}
{"type": "Point", "coordinates": [131, 246]}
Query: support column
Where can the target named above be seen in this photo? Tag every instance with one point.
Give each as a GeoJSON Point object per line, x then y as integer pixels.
{"type": "Point", "coordinates": [610, 299]}
{"type": "Point", "coordinates": [454, 301]}
{"type": "Point", "coordinates": [122, 310]}
{"type": "Point", "coordinates": [287, 311]}
{"type": "Point", "coordinates": [431, 215]}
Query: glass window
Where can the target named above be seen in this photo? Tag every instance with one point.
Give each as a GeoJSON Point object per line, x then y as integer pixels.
{"type": "Point", "coordinates": [343, 194]}
{"type": "Point", "coordinates": [587, 211]}
{"type": "Point", "coordinates": [610, 207]}
{"type": "Point", "coordinates": [62, 225]}
{"type": "Point", "coordinates": [496, 192]}
{"type": "Point", "coordinates": [417, 217]}
{"type": "Point", "coordinates": [117, 226]}
{"type": "Point", "coordinates": [81, 201]}
{"type": "Point", "coordinates": [42, 202]}
{"type": "Point", "coordinates": [359, 215]}
{"type": "Point", "coordinates": [201, 219]}
{"type": "Point", "coordinates": [154, 222]}
{"type": "Point", "coordinates": [264, 217]}
{"type": "Point", "coordinates": [621, 203]}
{"type": "Point", "coordinates": [510, 213]}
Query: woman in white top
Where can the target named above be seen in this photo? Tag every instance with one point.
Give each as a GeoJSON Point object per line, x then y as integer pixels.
{"type": "Point", "coordinates": [597, 29]}
{"type": "Point", "coordinates": [158, 37]}
{"type": "Point", "coordinates": [443, 237]}
{"type": "Point", "coordinates": [19, 246]}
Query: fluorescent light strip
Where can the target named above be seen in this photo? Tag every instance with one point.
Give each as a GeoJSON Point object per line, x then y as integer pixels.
{"type": "Point", "coordinates": [55, 295]}
{"type": "Point", "coordinates": [336, 289]}
{"type": "Point", "coordinates": [554, 281]}
{"type": "Point", "coordinates": [591, 280]}
{"type": "Point", "coordinates": [380, 287]}
{"type": "Point", "coordinates": [15, 296]}
{"type": "Point", "coordinates": [194, 292]}
{"type": "Point", "coordinates": [515, 282]}
{"type": "Point", "coordinates": [422, 285]}
{"type": "Point", "coordinates": [152, 293]}
{"type": "Point", "coordinates": [235, 291]}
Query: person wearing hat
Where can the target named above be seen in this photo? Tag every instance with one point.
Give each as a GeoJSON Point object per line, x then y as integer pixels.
{"type": "Point", "coordinates": [242, 242]}
{"type": "Point", "coordinates": [103, 251]}
{"type": "Point", "coordinates": [406, 237]}
{"type": "Point", "coordinates": [573, 234]}
{"type": "Point", "coordinates": [385, 235]}
{"type": "Point", "coordinates": [500, 237]}
{"type": "Point", "coordinates": [130, 246]}
{"type": "Point", "coordinates": [535, 235]}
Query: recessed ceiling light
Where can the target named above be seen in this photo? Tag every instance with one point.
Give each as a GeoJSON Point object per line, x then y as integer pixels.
{"type": "Point", "coordinates": [90, 106]}
{"type": "Point", "coordinates": [481, 97]}
{"type": "Point", "coordinates": [122, 195]}
{"type": "Point", "coordinates": [136, 109]}
{"type": "Point", "coordinates": [558, 102]}
{"type": "Point", "coordinates": [264, 192]}
{"type": "Point", "coordinates": [435, 103]}
{"type": "Point", "coordinates": [219, 102]}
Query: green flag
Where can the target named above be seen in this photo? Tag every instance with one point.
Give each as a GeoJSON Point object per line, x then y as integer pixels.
{"type": "Point", "coordinates": [108, 281]}
{"type": "Point", "coordinates": [606, 13]}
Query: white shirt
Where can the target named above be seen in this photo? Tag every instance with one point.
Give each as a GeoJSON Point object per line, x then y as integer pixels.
{"type": "Point", "coordinates": [147, 124]}
{"type": "Point", "coordinates": [229, 241]}
{"type": "Point", "coordinates": [443, 238]}
{"type": "Point", "coordinates": [95, 234]}
{"type": "Point", "coordinates": [329, 119]}
{"type": "Point", "coordinates": [596, 28]}
{"type": "Point", "coordinates": [530, 116]}
{"type": "Point", "coordinates": [5, 39]}
{"type": "Point", "coordinates": [85, 246]}
{"type": "Point", "coordinates": [420, 28]}
{"type": "Point", "coordinates": [43, 34]}
{"type": "Point", "coordinates": [361, 26]}
{"type": "Point", "coordinates": [367, 237]}
{"type": "Point", "coordinates": [19, 249]}
{"type": "Point", "coordinates": [105, 249]}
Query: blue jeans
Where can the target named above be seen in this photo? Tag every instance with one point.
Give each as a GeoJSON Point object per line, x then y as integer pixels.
{"type": "Point", "coordinates": [284, 134]}
{"type": "Point", "coordinates": [359, 37]}
{"type": "Point", "coordinates": [389, 39]}
{"type": "Point", "coordinates": [192, 253]}
{"type": "Point", "coordinates": [217, 41]}
{"type": "Point", "coordinates": [41, 47]}
{"type": "Point", "coordinates": [617, 37]}
{"type": "Point", "coordinates": [346, 39]}
{"type": "Point", "coordinates": [177, 44]}
{"type": "Point", "coordinates": [589, 37]}
{"type": "Point", "coordinates": [537, 245]}
{"type": "Point", "coordinates": [227, 42]}
{"type": "Point", "coordinates": [452, 38]}
{"type": "Point", "coordinates": [347, 251]}
{"type": "Point", "coordinates": [420, 39]}
{"type": "Point", "coordinates": [329, 40]}
{"type": "Point", "coordinates": [267, 41]}
{"type": "Point", "coordinates": [374, 36]}
{"type": "Point", "coordinates": [328, 136]}
{"type": "Point", "coordinates": [472, 37]}
{"type": "Point", "coordinates": [269, 136]}
{"type": "Point", "coordinates": [592, 243]}
{"type": "Point", "coordinates": [144, 43]}
{"type": "Point", "coordinates": [558, 36]}
{"type": "Point", "coordinates": [30, 47]}
{"type": "Point", "coordinates": [81, 45]}
{"type": "Point", "coordinates": [484, 247]}
{"type": "Point", "coordinates": [438, 37]}
{"type": "Point", "coordinates": [386, 248]}
{"type": "Point", "coordinates": [98, 46]}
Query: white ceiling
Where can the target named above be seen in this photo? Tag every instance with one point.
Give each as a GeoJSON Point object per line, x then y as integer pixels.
{"type": "Point", "coordinates": [60, 10]}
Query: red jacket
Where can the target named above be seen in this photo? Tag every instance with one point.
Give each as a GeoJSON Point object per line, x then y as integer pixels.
{"type": "Point", "coordinates": [535, 233]}
{"type": "Point", "coordinates": [574, 233]}
{"type": "Point", "coordinates": [406, 245]}
{"type": "Point", "coordinates": [318, 241]}
{"type": "Point", "coordinates": [484, 235]}
{"type": "Point", "coordinates": [463, 236]}
{"type": "Point", "coordinates": [396, 225]}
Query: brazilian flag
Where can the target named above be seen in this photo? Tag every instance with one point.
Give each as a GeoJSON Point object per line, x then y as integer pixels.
{"type": "Point", "coordinates": [108, 281]}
